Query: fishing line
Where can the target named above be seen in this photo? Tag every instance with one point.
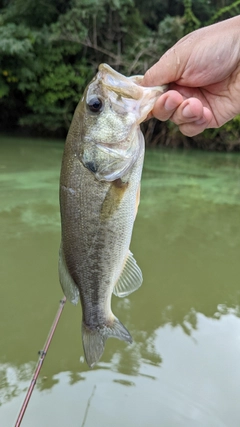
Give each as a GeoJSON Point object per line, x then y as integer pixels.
{"type": "Point", "coordinates": [42, 354]}
{"type": "Point", "coordinates": [88, 406]}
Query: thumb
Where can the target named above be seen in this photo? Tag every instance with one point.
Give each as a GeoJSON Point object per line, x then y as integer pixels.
{"type": "Point", "coordinates": [168, 69]}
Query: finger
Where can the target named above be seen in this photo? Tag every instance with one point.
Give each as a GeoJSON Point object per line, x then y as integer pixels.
{"type": "Point", "coordinates": [166, 105]}
{"type": "Point", "coordinates": [190, 110]}
{"type": "Point", "coordinates": [195, 127]}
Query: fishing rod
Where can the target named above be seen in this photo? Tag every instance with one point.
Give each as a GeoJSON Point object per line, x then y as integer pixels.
{"type": "Point", "coordinates": [42, 354]}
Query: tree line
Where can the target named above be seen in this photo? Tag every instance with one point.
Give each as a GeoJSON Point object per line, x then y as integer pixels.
{"type": "Point", "coordinates": [50, 50]}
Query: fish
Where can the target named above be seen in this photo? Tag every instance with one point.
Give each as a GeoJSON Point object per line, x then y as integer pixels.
{"type": "Point", "coordinates": [99, 197]}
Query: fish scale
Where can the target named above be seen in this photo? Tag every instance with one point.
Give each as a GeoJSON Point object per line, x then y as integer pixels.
{"type": "Point", "coordinates": [99, 195]}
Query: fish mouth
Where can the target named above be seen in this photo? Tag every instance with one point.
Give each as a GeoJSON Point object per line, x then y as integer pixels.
{"type": "Point", "coordinates": [135, 98]}
{"type": "Point", "coordinates": [127, 87]}
{"type": "Point", "coordinates": [118, 83]}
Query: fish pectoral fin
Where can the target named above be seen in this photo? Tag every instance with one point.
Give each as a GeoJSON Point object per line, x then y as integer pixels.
{"type": "Point", "coordinates": [137, 200]}
{"type": "Point", "coordinates": [130, 279]}
{"type": "Point", "coordinates": [94, 339]}
{"type": "Point", "coordinates": [68, 285]}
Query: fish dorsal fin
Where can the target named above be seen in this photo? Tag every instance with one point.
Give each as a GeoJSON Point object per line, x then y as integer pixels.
{"type": "Point", "coordinates": [130, 279]}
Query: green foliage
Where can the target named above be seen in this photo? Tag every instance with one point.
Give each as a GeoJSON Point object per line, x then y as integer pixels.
{"type": "Point", "coordinates": [15, 40]}
{"type": "Point", "coordinates": [55, 96]}
{"type": "Point", "coordinates": [34, 14]}
{"type": "Point", "coordinates": [50, 50]}
{"type": "Point", "coordinates": [152, 11]}
{"type": "Point", "coordinates": [203, 10]}
{"type": "Point", "coordinates": [191, 23]}
{"type": "Point", "coordinates": [225, 12]}
{"type": "Point", "coordinates": [170, 30]}
{"type": "Point", "coordinates": [227, 136]}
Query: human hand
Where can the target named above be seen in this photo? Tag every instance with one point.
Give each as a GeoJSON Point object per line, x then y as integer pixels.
{"type": "Point", "coordinates": [203, 72]}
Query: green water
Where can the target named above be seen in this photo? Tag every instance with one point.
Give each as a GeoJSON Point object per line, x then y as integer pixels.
{"type": "Point", "coordinates": [183, 369]}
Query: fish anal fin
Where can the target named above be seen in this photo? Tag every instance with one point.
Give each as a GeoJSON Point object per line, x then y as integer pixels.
{"type": "Point", "coordinates": [68, 285]}
{"type": "Point", "coordinates": [130, 279]}
{"type": "Point", "coordinates": [94, 339]}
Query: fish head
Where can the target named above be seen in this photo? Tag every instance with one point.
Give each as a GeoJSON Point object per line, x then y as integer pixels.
{"type": "Point", "coordinates": [112, 108]}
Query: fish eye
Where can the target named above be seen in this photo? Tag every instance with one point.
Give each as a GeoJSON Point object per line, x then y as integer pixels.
{"type": "Point", "coordinates": [95, 105]}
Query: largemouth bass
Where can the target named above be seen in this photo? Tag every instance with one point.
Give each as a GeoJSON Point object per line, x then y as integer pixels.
{"type": "Point", "coordinates": [99, 196]}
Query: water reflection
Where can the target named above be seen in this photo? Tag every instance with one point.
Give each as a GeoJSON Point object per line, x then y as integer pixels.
{"type": "Point", "coordinates": [183, 364]}
{"type": "Point", "coordinates": [14, 380]}
{"type": "Point", "coordinates": [192, 388]}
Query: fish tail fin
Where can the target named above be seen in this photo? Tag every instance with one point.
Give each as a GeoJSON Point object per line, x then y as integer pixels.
{"type": "Point", "coordinates": [94, 339]}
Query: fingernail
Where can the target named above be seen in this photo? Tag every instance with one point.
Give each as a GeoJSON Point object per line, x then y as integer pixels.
{"type": "Point", "coordinates": [186, 112]}
{"type": "Point", "coordinates": [170, 104]}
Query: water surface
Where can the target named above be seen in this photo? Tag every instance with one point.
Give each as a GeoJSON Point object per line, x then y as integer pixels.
{"type": "Point", "coordinates": [183, 369]}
